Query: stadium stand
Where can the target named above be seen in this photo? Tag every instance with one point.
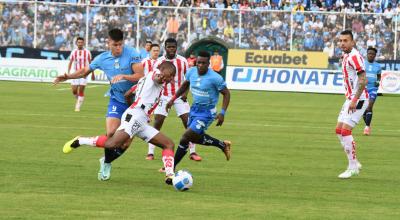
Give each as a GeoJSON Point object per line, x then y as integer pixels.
{"type": "Point", "coordinates": [254, 24]}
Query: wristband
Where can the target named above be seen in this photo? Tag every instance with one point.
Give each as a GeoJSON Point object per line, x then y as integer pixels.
{"type": "Point", "coordinates": [354, 99]}
{"type": "Point", "coordinates": [222, 112]}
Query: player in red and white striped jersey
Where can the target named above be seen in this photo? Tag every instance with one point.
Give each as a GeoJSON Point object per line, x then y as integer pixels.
{"type": "Point", "coordinates": [354, 81]}
{"type": "Point", "coordinates": [134, 121]}
{"type": "Point", "coordinates": [148, 62]}
{"type": "Point", "coordinates": [79, 59]}
{"type": "Point", "coordinates": [181, 106]}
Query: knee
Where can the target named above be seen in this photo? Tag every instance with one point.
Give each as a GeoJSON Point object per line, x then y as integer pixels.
{"type": "Point", "coordinates": [112, 143]}
{"type": "Point", "coordinates": [169, 144]}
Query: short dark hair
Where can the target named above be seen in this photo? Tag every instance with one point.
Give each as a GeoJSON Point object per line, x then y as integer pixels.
{"type": "Point", "coordinates": [169, 66]}
{"type": "Point", "coordinates": [373, 49]}
{"type": "Point", "coordinates": [80, 38]}
{"type": "Point", "coordinates": [148, 42]}
{"type": "Point", "coordinates": [171, 40]}
{"type": "Point", "coordinates": [347, 32]}
{"type": "Point", "coordinates": [116, 34]}
{"type": "Point", "coordinates": [204, 53]}
{"type": "Point", "coordinates": [154, 45]}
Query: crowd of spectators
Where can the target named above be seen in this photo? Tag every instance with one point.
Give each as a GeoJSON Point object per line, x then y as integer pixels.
{"type": "Point", "coordinates": [249, 24]}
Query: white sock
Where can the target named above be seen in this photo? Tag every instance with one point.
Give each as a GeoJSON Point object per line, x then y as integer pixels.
{"type": "Point", "coordinates": [91, 141]}
{"type": "Point", "coordinates": [192, 148]}
{"type": "Point", "coordinates": [80, 101]}
{"type": "Point", "coordinates": [151, 149]}
{"type": "Point", "coordinates": [350, 149]}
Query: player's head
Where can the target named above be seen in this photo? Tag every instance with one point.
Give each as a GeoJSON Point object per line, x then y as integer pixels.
{"type": "Point", "coordinates": [115, 41]}
{"type": "Point", "coordinates": [203, 62]}
{"type": "Point", "coordinates": [80, 42]}
{"type": "Point", "coordinates": [154, 51]}
{"type": "Point", "coordinates": [170, 47]}
{"type": "Point", "coordinates": [346, 41]}
{"type": "Point", "coordinates": [168, 71]}
{"type": "Point", "coordinates": [371, 54]}
{"type": "Point", "coordinates": [147, 46]}
{"type": "Point", "coordinates": [192, 54]}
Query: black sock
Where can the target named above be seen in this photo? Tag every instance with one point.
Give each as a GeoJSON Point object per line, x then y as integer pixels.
{"type": "Point", "coordinates": [365, 117]}
{"type": "Point", "coordinates": [210, 141]}
{"type": "Point", "coordinates": [180, 152]}
{"type": "Point", "coordinates": [111, 154]}
{"type": "Point", "coordinates": [368, 118]}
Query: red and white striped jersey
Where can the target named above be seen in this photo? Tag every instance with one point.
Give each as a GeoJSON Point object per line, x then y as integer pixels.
{"type": "Point", "coordinates": [148, 64]}
{"type": "Point", "coordinates": [148, 92]}
{"type": "Point", "coordinates": [81, 58]}
{"type": "Point", "coordinates": [352, 64]}
{"type": "Point", "coordinates": [181, 65]}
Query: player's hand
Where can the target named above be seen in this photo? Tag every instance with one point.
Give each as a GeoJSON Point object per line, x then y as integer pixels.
{"type": "Point", "coordinates": [184, 98]}
{"type": "Point", "coordinates": [169, 105]}
{"type": "Point", "coordinates": [60, 78]}
{"type": "Point", "coordinates": [220, 119]}
{"type": "Point", "coordinates": [352, 107]}
{"type": "Point", "coordinates": [377, 84]}
{"type": "Point", "coordinates": [93, 77]}
{"type": "Point", "coordinates": [117, 78]}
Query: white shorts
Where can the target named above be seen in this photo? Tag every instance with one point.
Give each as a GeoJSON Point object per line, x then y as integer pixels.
{"type": "Point", "coordinates": [79, 82]}
{"type": "Point", "coordinates": [135, 123]}
{"type": "Point", "coordinates": [180, 106]}
{"type": "Point", "coordinates": [352, 118]}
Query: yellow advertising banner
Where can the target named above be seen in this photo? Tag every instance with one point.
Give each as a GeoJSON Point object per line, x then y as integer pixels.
{"type": "Point", "coordinates": [285, 59]}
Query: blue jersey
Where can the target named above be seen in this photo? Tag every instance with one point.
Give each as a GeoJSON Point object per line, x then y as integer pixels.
{"type": "Point", "coordinates": [144, 54]}
{"type": "Point", "coordinates": [372, 70]}
{"type": "Point", "coordinates": [112, 66]}
{"type": "Point", "coordinates": [205, 89]}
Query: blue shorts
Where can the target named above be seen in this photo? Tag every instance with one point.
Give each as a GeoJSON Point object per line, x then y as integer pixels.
{"type": "Point", "coordinates": [200, 118]}
{"type": "Point", "coordinates": [373, 93]}
{"type": "Point", "coordinates": [116, 109]}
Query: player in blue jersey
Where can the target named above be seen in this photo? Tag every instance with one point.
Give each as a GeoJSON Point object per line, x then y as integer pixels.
{"type": "Point", "coordinates": [373, 70]}
{"type": "Point", "coordinates": [205, 86]}
{"type": "Point", "coordinates": [123, 68]}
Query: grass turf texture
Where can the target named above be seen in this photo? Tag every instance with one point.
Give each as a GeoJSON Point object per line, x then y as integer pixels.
{"type": "Point", "coordinates": [284, 165]}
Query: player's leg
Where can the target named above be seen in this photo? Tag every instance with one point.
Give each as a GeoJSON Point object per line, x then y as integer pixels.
{"type": "Point", "coordinates": [349, 120]}
{"type": "Point", "coordinates": [81, 95]}
{"type": "Point", "coordinates": [160, 114]}
{"type": "Point", "coordinates": [368, 113]}
{"type": "Point", "coordinates": [113, 121]}
{"type": "Point", "coordinates": [155, 137]}
{"type": "Point", "coordinates": [195, 133]}
{"type": "Point", "coordinates": [74, 89]}
{"type": "Point", "coordinates": [182, 110]}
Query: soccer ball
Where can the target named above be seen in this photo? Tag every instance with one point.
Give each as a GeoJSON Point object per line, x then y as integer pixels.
{"type": "Point", "coordinates": [182, 180]}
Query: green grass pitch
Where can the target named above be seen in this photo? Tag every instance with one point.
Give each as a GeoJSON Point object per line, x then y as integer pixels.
{"type": "Point", "coordinates": [284, 165]}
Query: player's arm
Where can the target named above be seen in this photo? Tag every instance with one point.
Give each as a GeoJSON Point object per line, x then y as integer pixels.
{"type": "Point", "coordinates": [129, 95]}
{"type": "Point", "coordinates": [137, 68]}
{"type": "Point", "coordinates": [70, 65]}
{"type": "Point", "coordinates": [226, 94]}
{"type": "Point", "coordinates": [185, 94]}
{"type": "Point", "coordinates": [362, 82]}
{"type": "Point", "coordinates": [182, 90]}
{"type": "Point", "coordinates": [378, 78]}
{"type": "Point", "coordinates": [76, 75]}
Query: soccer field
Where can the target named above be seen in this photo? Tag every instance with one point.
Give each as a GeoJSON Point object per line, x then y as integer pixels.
{"type": "Point", "coordinates": [284, 165]}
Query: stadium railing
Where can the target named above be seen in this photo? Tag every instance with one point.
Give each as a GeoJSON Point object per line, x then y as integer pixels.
{"type": "Point", "coordinates": [55, 25]}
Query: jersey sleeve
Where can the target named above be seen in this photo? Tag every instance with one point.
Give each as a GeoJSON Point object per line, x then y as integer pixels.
{"type": "Point", "coordinates": [135, 57]}
{"type": "Point", "coordinates": [357, 63]}
{"type": "Point", "coordinates": [379, 70]}
{"type": "Point", "coordinates": [96, 64]}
